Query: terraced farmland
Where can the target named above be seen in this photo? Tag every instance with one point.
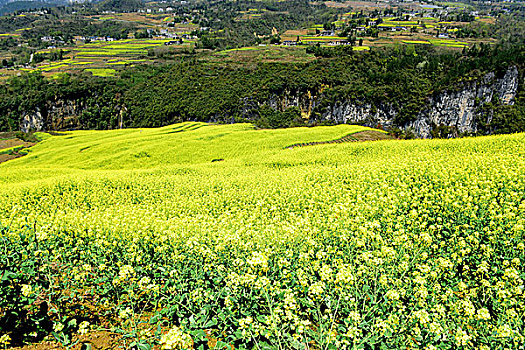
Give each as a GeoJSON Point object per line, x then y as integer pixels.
{"type": "Point", "coordinates": [100, 55]}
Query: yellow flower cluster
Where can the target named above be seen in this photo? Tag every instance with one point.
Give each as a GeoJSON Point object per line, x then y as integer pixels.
{"type": "Point", "coordinates": [126, 273]}
{"type": "Point", "coordinates": [5, 340]}
{"type": "Point", "coordinates": [176, 339]}
{"type": "Point", "coordinates": [27, 290]}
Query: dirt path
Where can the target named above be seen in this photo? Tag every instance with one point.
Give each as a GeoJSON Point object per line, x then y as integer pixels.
{"type": "Point", "coordinates": [369, 135]}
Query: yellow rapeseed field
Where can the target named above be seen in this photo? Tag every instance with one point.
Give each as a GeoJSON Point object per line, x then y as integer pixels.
{"type": "Point", "coordinates": [198, 235]}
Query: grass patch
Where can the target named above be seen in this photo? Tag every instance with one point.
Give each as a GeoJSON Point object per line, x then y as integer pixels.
{"type": "Point", "coordinates": [421, 42]}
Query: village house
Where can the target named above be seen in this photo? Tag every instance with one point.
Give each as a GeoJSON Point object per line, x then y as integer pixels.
{"type": "Point", "coordinates": [328, 33]}
{"type": "Point", "coordinates": [338, 42]}
{"type": "Point", "coordinates": [173, 42]}
{"type": "Point", "coordinates": [392, 29]}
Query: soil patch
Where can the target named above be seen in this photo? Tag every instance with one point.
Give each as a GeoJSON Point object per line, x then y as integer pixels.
{"type": "Point", "coordinates": [369, 135]}
{"type": "Point", "coordinates": [6, 157]}
{"type": "Point", "coordinates": [99, 340]}
{"type": "Point", "coordinates": [8, 143]}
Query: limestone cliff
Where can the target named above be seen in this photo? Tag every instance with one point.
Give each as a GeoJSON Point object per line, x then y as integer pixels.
{"type": "Point", "coordinates": [58, 114]}
{"type": "Point", "coordinates": [458, 109]}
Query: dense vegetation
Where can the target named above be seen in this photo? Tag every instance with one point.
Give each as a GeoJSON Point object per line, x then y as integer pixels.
{"type": "Point", "coordinates": [508, 28]}
{"type": "Point", "coordinates": [394, 245]}
{"type": "Point", "coordinates": [191, 90]}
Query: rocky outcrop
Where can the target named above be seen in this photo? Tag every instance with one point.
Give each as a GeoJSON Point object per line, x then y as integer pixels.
{"type": "Point", "coordinates": [361, 113]}
{"type": "Point", "coordinates": [305, 100]}
{"type": "Point", "coordinates": [457, 110]}
{"type": "Point", "coordinates": [32, 121]}
{"type": "Point", "coordinates": [54, 115]}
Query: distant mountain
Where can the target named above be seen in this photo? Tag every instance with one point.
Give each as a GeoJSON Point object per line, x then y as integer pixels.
{"type": "Point", "coordinates": [8, 6]}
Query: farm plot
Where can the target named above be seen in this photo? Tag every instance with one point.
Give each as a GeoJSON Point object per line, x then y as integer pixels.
{"type": "Point", "coordinates": [438, 42]}
{"type": "Point", "coordinates": [268, 53]}
{"type": "Point", "coordinates": [119, 48]}
{"type": "Point", "coordinates": [195, 235]}
{"type": "Point", "coordinates": [98, 55]}
{"type": "Point", "coordinates": [102, 72]}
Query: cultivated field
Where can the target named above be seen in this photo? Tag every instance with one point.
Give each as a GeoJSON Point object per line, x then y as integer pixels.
{"type": "Point", "coordinates": [196, 235]}
{"type": "Point", "coordinates": [104, 56]}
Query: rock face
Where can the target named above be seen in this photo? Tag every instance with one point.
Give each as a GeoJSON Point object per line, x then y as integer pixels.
{"type": "Point", "coordinates": [457, 110]}
{"type": "Point", "coordinates": [32, 121]}
{"type": "Point", "coordinates": [361, 113]}
{"type": "Point", "coordinates": [55, 115]}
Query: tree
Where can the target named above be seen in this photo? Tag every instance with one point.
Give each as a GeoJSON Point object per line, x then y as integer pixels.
{"type": "Point", "coordinates": [270, 118]}
{"type": "Point", "coordinates": [328, 26]}
{"type": "Point", "coordinates": [275, 39]}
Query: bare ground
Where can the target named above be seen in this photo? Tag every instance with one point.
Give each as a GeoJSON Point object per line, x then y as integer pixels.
{"type": "Point", "coordinates": [7, 140]}
{"type": "Point", "coordinates": [369, 135]}
{"type": "Point", "coordinates": [99, 340]}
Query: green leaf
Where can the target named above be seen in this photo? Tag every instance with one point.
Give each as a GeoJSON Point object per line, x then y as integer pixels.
{"type": "Point", "coordinates": [143, 346]}
{"type": "Point", "coordinates": [198, 334]}
{"type": "Point", "coordinates": [7, 275]}
{"type": "Point", "coordinates": [210, 323]}
{"type": "Point", "coordinates": [155, 318]}
{"type": "Point", "coordinates": [265, 346]}
{"type": "Point", "coordinates": [220, 345]}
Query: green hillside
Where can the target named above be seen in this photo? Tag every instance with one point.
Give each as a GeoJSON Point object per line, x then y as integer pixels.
{"type": "Point", "coordinates": [140, 235]}
{"type": "Point", "coordinates": [180, 144]}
